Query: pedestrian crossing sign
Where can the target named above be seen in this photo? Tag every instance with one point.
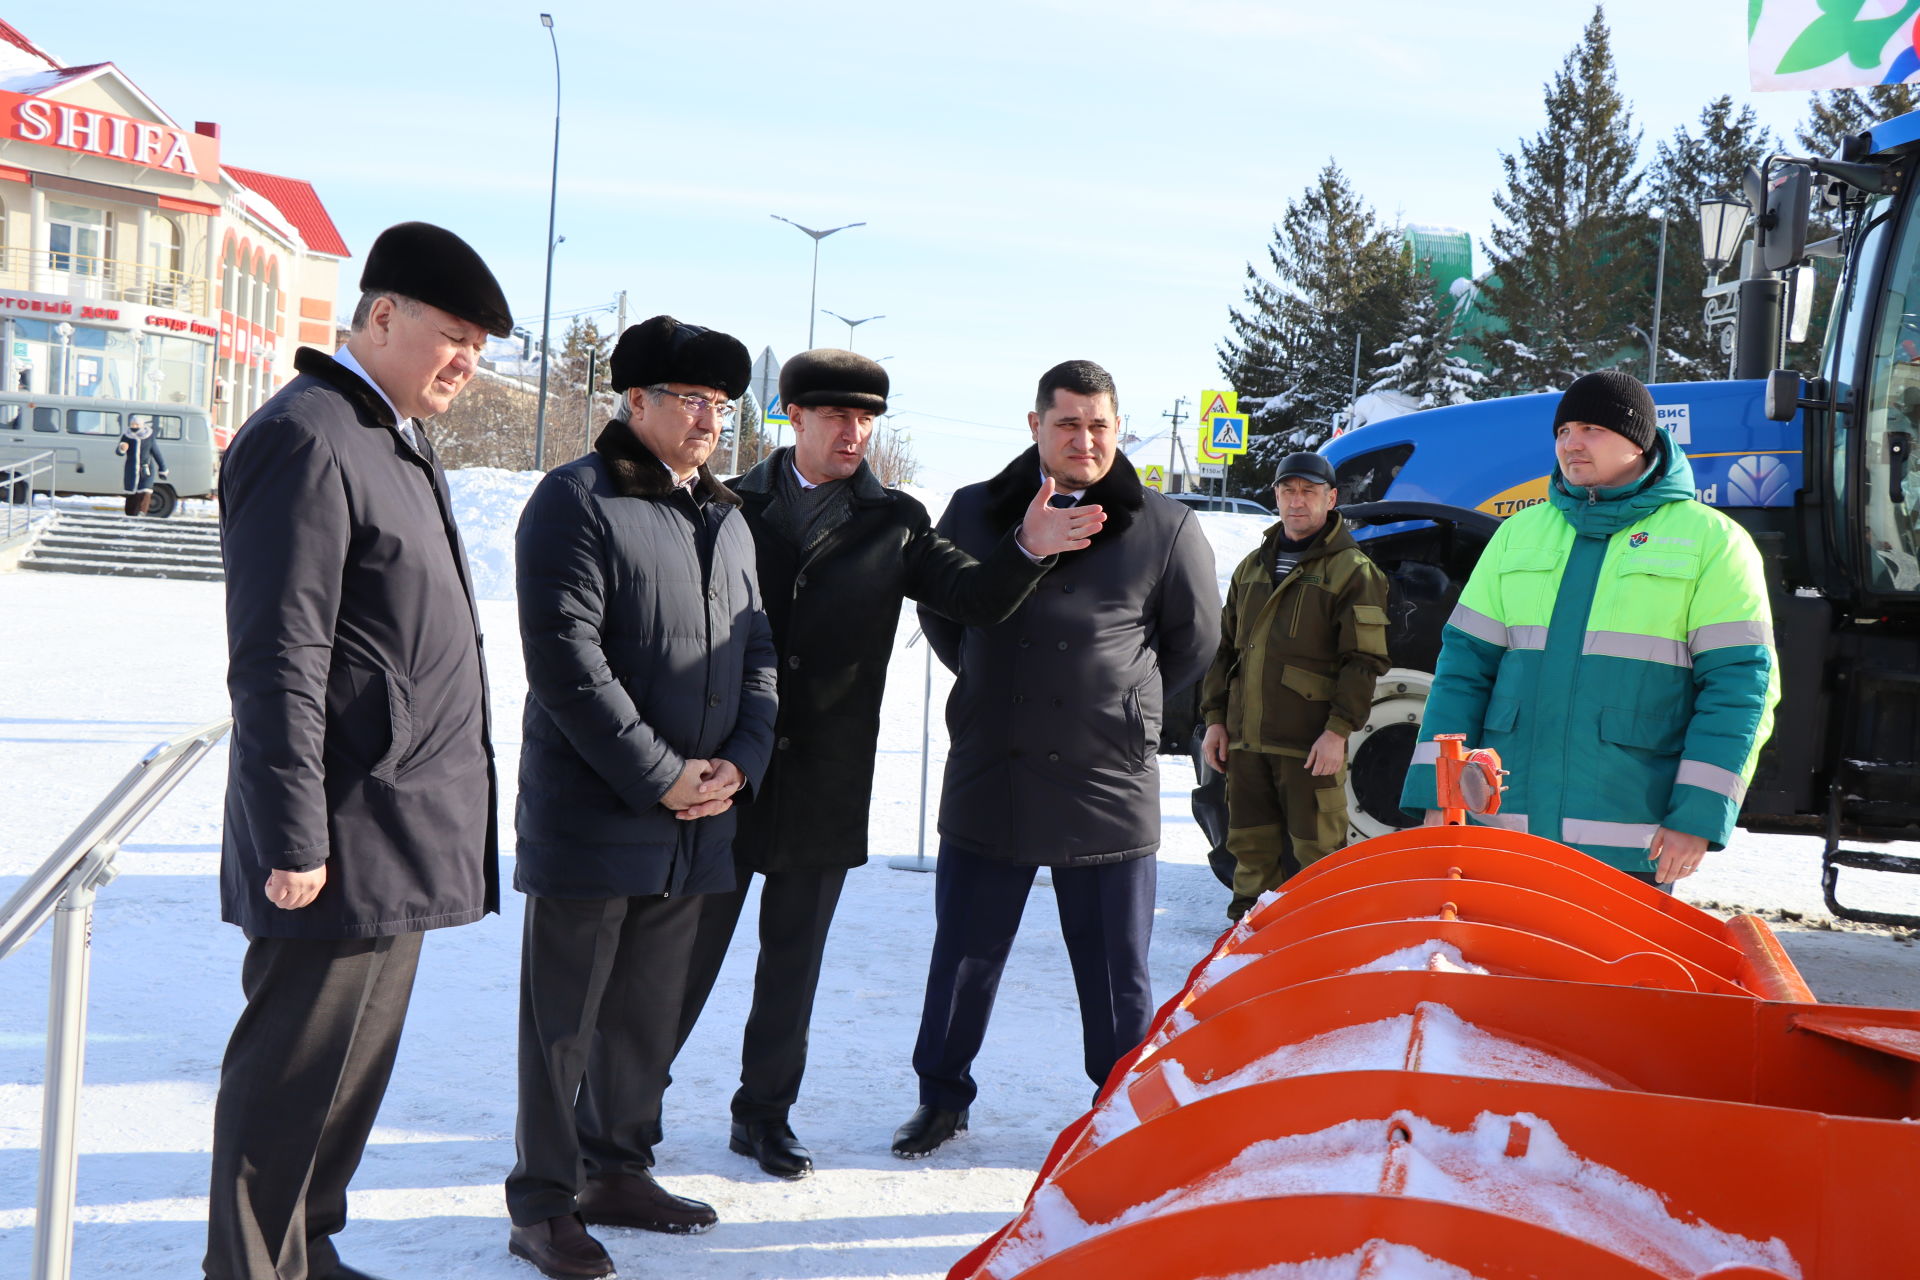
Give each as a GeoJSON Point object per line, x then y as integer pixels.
{"type": "Point", "coordinates": [1154, 478]}
{"type": "Point", "coordinates": [1216, 402]}
{"type": "Point", "coordinates": [1229, 433]}
{"type": "Point", "coordinates": [776, 413]}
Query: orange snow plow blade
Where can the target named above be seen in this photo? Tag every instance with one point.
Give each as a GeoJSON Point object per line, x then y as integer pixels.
{"type": "Point", "coordinates": [1502, 1057]}
{"type": "Point", "coordinates": [1248, 1236]}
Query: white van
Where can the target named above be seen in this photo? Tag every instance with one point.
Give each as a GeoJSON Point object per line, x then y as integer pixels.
{"type": "Point", "coordinates": [82, 433]}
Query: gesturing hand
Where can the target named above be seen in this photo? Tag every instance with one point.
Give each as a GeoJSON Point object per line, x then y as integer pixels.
{"type": "Point", "coordinates": [1048, 530]}
{"type": "Point", "coordinates": [292, 890]}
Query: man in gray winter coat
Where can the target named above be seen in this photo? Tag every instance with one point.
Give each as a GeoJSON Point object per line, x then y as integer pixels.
{"type": "Point", "coordinates": [1054, 721]}
{"type": "Point", "coordinates": [650, 703]}
{"type": "Point", "coordinates": [360, 796]}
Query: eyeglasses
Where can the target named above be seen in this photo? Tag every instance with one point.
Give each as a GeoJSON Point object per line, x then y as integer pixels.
{"type": "Point", "coordinates": [722, 410]}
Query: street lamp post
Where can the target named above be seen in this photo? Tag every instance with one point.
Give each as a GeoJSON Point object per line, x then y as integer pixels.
{"type": "Point", "coordinates": [851, 324]}
{"type": "Point", "coordinates": [546, 309]}
{"type": "Point", "coordinates": [813, 296]}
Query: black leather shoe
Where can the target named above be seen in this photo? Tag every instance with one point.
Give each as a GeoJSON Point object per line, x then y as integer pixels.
{"type": "Point", "coordinates": [561, 1248]}
{"type": "Point", "coordinates": [636, 1200]}
{"type": "Point", "coordinates": [925, 1130]}
{"type": "Point", "coordinates": [771, 1142]}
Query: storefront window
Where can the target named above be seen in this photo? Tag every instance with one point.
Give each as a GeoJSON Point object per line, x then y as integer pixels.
{"type": "Point", "coordinates": [76, 237]}
{"type": "Point", "coordinates": [172, 370]}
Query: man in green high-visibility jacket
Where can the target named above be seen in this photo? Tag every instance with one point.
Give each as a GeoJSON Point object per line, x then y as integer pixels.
{"type": "Point", "coordinates": [1615, 645]}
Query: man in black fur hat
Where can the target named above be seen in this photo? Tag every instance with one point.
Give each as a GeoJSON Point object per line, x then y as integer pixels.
{"type": "Point", "coordinates": [360, 795]}
{"type": "Point", "coordinates": [1054, 721]}
{"type": "Point", "coordinates": [650, 704]}
{"type": "Point", "coordinates": [838, 552]}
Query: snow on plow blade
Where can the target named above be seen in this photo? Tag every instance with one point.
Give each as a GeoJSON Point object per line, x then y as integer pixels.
{"type": "Point", "coordinates": [1467, 1052]}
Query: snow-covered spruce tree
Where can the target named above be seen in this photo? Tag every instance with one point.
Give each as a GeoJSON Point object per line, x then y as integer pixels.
{"type": "Point", "coordinates": [1692, 167]}
{"type": "Point", "coordinates": [1569, 256]}
{"type": "Point", "coordinates": [1335, 273]}
{"type": "Point", "coordinates": [1420, 362]}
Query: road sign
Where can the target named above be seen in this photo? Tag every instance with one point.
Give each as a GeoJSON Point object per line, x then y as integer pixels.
{"type": "Point", "coordinates": [1205, 451]}
{"type": "Point", "coordinates": [1154, 478]}
{"type": "Point", "coordinates": [1212, 402]}
{"type": "Point", "coordinates": [1229, 433]}
{"type": "Point", "coordinates": [776, 413]}
{"type": "Point", "coordinates": [1212, 470]}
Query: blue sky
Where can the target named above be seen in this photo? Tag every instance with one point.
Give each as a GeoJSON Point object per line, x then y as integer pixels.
{"type": "Point", "coordinates": [1040, 181]}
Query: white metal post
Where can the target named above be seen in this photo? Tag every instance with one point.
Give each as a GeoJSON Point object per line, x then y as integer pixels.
{"type": "Point", "coordinates": [66, 1063]}
{"type": "Point", "coordinates": [920, 861]}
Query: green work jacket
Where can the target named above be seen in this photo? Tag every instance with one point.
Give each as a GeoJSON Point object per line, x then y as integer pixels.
{"type": "Point", "coordinates": [1615, 646]}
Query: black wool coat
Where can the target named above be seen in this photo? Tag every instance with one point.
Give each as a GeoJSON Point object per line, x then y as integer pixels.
{"type": "Point", "coordinates": [645, 646]}
{"type": "Point", "coordinates": [835, 612]}
{"type": "Point", "coordinates": [1055, 714]}
{"type": "Point", "coordinates": [360, 736]}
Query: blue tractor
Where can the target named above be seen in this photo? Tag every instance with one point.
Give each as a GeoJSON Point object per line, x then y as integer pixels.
{"type": "Point", "coordinates": [1816, 465]}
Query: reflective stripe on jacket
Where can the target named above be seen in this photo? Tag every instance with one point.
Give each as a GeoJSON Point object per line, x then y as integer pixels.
{"type": "Point", "coordinates": [1616, 648]}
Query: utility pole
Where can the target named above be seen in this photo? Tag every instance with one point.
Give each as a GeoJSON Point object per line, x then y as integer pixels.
{"type": "Point", "coordinates": [621, 302]}
{"type": "Point", "coordinates": [1173, 436]}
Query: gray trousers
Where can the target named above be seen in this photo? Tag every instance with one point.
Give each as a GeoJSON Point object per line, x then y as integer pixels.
{"type": "Point", "coordinates": [299, 1088]}
{"type": "Point", "coordinates": [601, 984]}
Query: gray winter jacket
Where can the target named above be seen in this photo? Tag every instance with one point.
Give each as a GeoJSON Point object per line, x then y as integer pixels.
{"type": "Point", "coordinates": [360, 734]}
{"type": "Point", "coordinates": [645, 647]}
{"type": "Point", "coordinates": [1056, 712]}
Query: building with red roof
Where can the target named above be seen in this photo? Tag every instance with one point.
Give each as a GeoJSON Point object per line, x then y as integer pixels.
{"type": "Point", "coordinates": [135, 263]}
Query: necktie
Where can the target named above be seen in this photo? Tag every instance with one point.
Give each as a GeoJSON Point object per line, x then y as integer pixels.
{"type": "Point", "coordinates": [1063, 500]}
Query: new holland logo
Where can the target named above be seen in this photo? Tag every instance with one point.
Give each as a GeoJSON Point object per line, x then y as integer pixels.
{"type": "Point", "coordinates": [1638, 539]}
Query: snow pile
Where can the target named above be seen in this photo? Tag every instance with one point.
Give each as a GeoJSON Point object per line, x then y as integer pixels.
{"type": "Point", "coordinates": [1375, 1260]}
{"type": "Point", "coordinates": [1440, 957]}
{"type": "Point", "coordinates": [1512, 1165]}
{"type": "Point", "coordinates": [1433, 1038]}
{"type": "Point", "coordinates": [1232, 537]}
{"type": "Point", "coordinates": [486, 506]}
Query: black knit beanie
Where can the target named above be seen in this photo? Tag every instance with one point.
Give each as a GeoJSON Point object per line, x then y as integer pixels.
{"type": "Point", "coordinates": [1614, 400]}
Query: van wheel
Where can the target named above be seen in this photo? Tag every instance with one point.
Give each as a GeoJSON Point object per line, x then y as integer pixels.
{"type": "Point", "coordinates": [1381, 751]}
{"type": "Point", "coordinates": [165, 502]}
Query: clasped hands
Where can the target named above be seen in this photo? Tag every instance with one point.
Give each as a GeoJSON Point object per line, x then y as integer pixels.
{"type": "Point", "coordinates": [704, 788]}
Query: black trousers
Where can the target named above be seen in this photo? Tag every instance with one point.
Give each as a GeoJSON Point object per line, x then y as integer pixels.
{"type": "Point", "coordinates": [796, 909]}
{"type": "Point", "coordinates": [601, 981]}
{"type": "Point", "coordinates": [300, 1085]}
{"type": "Point", "coordinates": [1106, 918]}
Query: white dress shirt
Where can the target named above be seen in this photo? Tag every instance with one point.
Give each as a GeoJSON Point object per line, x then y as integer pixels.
{"type": "Point", "coordinates": [345, 359]}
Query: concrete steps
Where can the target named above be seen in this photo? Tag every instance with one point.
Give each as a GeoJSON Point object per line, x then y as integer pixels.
{"type": "Point", "coordinates": [99, 542]}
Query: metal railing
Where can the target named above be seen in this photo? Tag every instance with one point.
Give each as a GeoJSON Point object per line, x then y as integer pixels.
{"type": "Point", "coordinates": [81, 275]}
{"type": "Point", "coordinates": [63, 887]}
{"type": "Point", "coordinates": [19, 481]}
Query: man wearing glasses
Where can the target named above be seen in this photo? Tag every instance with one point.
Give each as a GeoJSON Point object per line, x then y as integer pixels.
{"type": "Point", "coordinates": [650, 703]}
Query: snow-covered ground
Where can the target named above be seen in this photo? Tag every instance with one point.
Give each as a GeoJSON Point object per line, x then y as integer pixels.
{"type": "Point", "coordinates": [101, 670]}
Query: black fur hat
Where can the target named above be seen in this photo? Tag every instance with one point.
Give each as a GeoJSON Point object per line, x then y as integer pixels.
{"type": "Point", "coordinates": [667, 350]}
{"type": "Point", "coordinates": [830, 376]}
{"type": "Point", "coordinates": [432, 265]}
{"type": "Point", "coordinates": [1609, 398]}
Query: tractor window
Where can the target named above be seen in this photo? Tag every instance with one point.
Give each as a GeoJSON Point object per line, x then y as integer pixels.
{"type": "Point", "coordinates": [1888, 424]}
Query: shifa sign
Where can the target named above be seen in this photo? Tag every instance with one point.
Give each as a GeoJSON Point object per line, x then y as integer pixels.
{"type": "Point", "coordinates": [1830, 44]}
{"type": "Point", "coordinates": [115, 137]}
